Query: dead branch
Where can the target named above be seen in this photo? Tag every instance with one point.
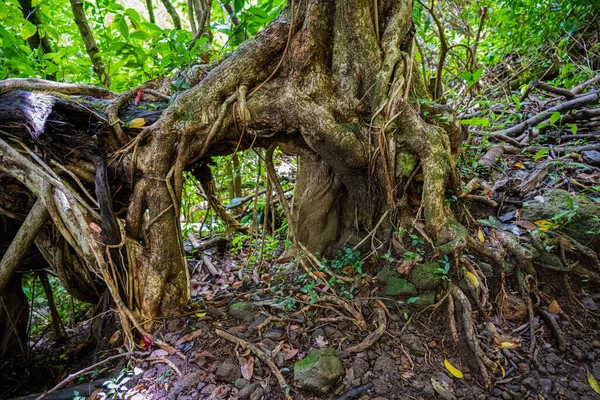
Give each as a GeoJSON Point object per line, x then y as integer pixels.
{"type": "Point", "coordinates": [260, 354]}
{"type": "Point", "coordinates": [41, 85]}
{"type": "Point", "coordinates": [90, 368]}
{"type": "Point", "coordinates": [583, 100]}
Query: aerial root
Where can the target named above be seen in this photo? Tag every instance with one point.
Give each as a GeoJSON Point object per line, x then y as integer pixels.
{"type": "Point", "coordinates": [260, 354]}
{"type": "Point", "coordinates": [373, 337]}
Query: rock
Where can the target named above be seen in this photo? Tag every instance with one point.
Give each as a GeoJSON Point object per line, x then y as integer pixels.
{"type": "Point", "coordinates": [589, 303]}
{"type": "Point", "coordinates": [248, 390]}
{"type": "Point", "coordinates": [530, 383]}
{"type": "Point", "coordinates": [582, 226]}
{"type": "Point", "coordinates": [268, 344]}
{"type": "Point", "coordinates": [546, 385]}
{"type": "Point", "coordinates": [424, 300]}
{"type": "Point", "coordinates": [320, 371]}
{"type": "Point", "coordinates": [257, 394]}
{"type": "Point", "coordinates": [394, 285]}
{"type": "Point", "coordinates": [384, 364]}
{"type": "Point", "coordinates": [240, 383]}
{"type": "Point", "coordinates": [243, 311]}
{"type": "Point", "coordinates": [228, 372]}
{"type": "Point", "coordinates": [187, 382]}
{"type": "Point", "coordinates": [413, 343]}
{"type": "Point", "coordinates": [273, 335]}
{"type": "Point", "coordinates": [424, 277]}
{"type": "Point", "coordinates": [360, 366]}
{"type": "Point", "coordinates": [592, 157]}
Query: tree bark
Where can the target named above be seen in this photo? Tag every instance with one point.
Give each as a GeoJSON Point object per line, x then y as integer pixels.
{"type": "Point", "coordinates": [91, 47]}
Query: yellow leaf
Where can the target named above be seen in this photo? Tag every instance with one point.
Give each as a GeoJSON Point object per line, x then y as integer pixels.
{"type": "Point", "coordinates": [593, 382]}
{"type": "Point", "coordinates": [452, 369]}
{"type": "Point", "coordinates": [519, 165]}
{"type": "Point", "coordinates": [135, 123]}
{"type": "Point", "coordinates": [545, 225]}
{"type": "Point", "coordinates": [472, 278]}
{"type": "Point", "coordinates": [554, 308]}
{"type": "Point", "coordinates": [501, 369]}
{"type": "Point", "coordinates": [508, 345]}
{"type": "Point", "coordinates": [201, 314]}
{"type": "Point", "coordinates": [577, 183]}
{"type": "Point", "coordinates": [480, 235]}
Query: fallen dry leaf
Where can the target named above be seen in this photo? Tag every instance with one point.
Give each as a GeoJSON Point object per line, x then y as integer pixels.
{"type": "Point", "coordinates": [554, 308]}
{"type": "Point", "coordinates": [247, 367]}
{"type": "Point", "coordinates": [189, 337]}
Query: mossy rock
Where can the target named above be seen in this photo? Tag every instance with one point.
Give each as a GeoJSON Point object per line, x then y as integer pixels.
{"type": "Point", "coordinates": [423, 301]}
{"type": "Point", "coordinates": [393, 284]}
{"type": "Point", "coordinates": [424, 277]}
{"type": "Point", "coordinates": [319, 372]}
{"type": "Point", "coordinates": [243, 310]}
{"type": "Point", "coordinates": [584, 226]}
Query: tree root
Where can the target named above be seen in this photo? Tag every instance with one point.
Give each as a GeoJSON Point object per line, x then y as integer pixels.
{"type": "Point", "coordinates": [556, 331]}
{"type": "Point", "coordinates": [359, 320]}
{"type": "Point", "coordinates": [260, 354]}
{"type": "Point", "coordinates": [469, 330]}
{"type": "Point", "coordinates": [42, 85]}
{"type": "Point", "coordinates": [373, 337]}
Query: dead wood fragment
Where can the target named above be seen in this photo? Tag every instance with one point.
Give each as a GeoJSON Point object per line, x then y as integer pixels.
{"type": "Point", "coordinates": [50, 86]}
{"type": "Point", "coordinates": [87, 369]}
{"type": "Point", "coordinates": [260, 354]}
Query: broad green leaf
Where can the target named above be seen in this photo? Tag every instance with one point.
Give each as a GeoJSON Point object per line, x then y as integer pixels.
{"type": "Point", "coordinates": [27, 29]}
{"type": "Point", "coordinates": [573, 128]}
{"type": "Point", "coordinates": [554, 117]}
{"type": "Point", "coordinates": [238, 5]}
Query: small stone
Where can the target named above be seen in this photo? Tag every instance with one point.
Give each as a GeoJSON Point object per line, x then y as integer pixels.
{"type": "Point", "coordinates": [243, 310]}
{"type": "Point", "coordinates": [273, 335]}
{"type": "Point", "coordinates": [320, 371]}
{"type": "Point", "coordinates": [384, 364]}
{"type": "Point", "coordinates": [257, 394]}
{"type": "Point", "coordinates": [228, 372]}
{"type": "Point", "coordinates": [589, 303]}
{"type": "Point", "coordinates": [596, 344]}
{"type": "Point", "coordinates": [413, 343]}
{"type": "Point", "coordinates": [506, 396]}
{"type": "Point", "coordinates": [360, 366]}
{"type": "Point", "coordinates": [248, 390]}
{"type": "Point", "coordinates": [530, 383]}
{"type": "Point", "coordinates": [187, 382]}
{"type": "Point", "coordinates": [268, 343]}
{"type": "Point", "coordinates": [424, 300]}
{"type": "Point", "coordinates": [240, 383]}
{"type": "Point", "coordinates": [546, 385]}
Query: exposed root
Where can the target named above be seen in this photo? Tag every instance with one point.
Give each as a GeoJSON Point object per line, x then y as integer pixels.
{"type": "Point", "coordinates": [359, 320]}
{"type": "Point", "coordinates": [260, 354]}
{"type": "Point", "coordinates": [469, 330]}
{"type": "Point", "coordinates": [561, 343]}
{"type": "Point", "coordinates": [373, 337]}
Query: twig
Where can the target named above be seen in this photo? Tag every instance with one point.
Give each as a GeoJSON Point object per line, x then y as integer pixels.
{"type": "Point", "coordinates": [374, 336]}
{"type": "Point", "coordinates": [83, 371]}
{"type": "Point", "coordinates": [263, 357]}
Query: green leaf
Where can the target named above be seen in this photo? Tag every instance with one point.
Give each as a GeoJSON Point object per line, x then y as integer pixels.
{"type": "Point", "coordinates": [555, 117]}
{"type": "Point", "coordinates": [27, 30]}
{"type": "Point", "coordinates": [476, 121]}
{"type": "Point", "coordinates": [541, 153]}
{"type": "Point", "coordinates": [35, 3]}
{"type": "Point", "coordinates": [477, 74]}
{"type": "Point", "coordinates": [573, 128]}
{"type": "Point", "coordinates": [238, 5]}
{"type": "Point", "coordinates": [467, 76]}
{"type": "Point", "coordinates": [569, 201]}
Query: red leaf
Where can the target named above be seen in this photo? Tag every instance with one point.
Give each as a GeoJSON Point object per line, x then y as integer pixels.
{"type": "Point", "coordinates": [138, 98]}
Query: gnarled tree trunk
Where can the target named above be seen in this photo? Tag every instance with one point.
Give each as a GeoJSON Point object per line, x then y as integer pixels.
{"type": "Point", "coordinates": [331, 81]}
